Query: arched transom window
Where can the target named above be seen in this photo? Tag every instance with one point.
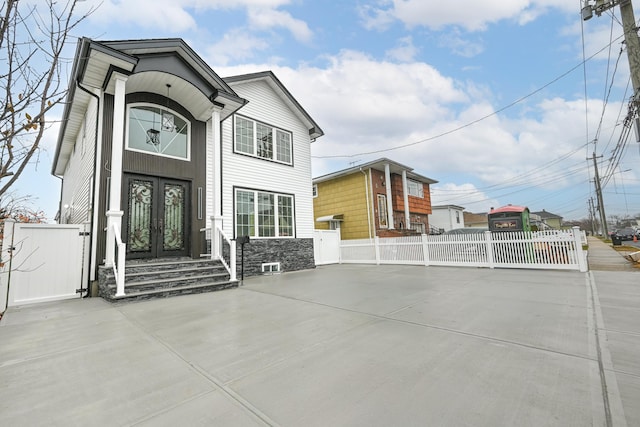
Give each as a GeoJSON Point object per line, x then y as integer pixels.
{"type": "Point", "coordinates": [157, 130]}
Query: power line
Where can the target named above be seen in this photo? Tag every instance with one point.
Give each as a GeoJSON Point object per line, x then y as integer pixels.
{"type": "Point", "coordinates": [459, 128]}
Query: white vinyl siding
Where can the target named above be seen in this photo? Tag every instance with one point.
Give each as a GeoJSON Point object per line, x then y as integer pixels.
{"type": "Point", "coordinates": [77, 192]}
{"type": "Point", "coordinates": [254, 173]}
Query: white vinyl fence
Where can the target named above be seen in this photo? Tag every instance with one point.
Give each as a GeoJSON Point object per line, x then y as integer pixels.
{"type": "Point", "coordinates": [42, 262]}
{"type": "Point", "coordinates": [540, 249]}
{"type": "Point", "coordinates": [326, 246]}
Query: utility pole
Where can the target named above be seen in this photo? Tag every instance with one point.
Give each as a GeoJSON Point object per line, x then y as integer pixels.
{"type": "Point", "coordinates": [630, 32]}
{"type": "Point", "coordinates": [633, 56]}
{"type": "Point", "coordinates": [592, 217]}
{"type": "Point", "coordinates": [603, 218]}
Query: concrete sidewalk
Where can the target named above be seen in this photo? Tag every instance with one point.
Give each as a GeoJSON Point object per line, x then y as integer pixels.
{"type": "Point", "coordinates": [339, 345]}
{"type": "Point", "coordinates": [602, 257]}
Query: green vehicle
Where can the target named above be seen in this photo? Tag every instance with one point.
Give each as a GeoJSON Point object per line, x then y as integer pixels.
{"type": "Point", "coordinates": [509, 218]}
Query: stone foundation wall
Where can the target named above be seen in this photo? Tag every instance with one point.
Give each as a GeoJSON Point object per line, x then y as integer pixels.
{"type": "Point", "coordinates": [292, 254]}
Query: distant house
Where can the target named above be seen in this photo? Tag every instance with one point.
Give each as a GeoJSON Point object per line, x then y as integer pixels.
{"type": "Point", "coordinates": [551, 220]}
{"type": "Point", "coordinates": [380, 198]}
{"type": "Point", "coordinates": [476, 220]}
{"type": "Point", "coordinates": [447, 217]}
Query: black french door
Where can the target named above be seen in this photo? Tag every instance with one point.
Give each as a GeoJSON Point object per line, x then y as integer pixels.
{"type": "Point", "coordinates": [157, 221]}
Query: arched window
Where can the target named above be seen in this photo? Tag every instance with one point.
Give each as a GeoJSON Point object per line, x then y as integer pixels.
{"type": "Point", "coordinates": [157, 130]}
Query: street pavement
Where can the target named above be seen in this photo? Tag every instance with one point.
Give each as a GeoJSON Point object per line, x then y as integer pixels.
{"type": "Point", "coordinates": [341, 345]}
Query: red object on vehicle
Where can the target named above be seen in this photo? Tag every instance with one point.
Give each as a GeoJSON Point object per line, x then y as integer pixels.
{"type": "Point", "coordinates": [508, 208]}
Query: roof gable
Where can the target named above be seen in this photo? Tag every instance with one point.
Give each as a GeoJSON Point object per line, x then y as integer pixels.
{"type": "Point", "coordinates": [152, 65]}
{"type": "Point", "coordinates": [267, 76]}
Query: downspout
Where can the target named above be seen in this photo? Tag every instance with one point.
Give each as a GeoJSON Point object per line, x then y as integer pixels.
{"type": "Point", "coordinates": [366, 193]}
{"type": "Point", "coordinates": [95, 164]}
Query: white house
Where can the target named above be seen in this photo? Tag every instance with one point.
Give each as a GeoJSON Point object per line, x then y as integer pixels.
{"type": "Point", "coordinates": [157, 150]}
{"type": "Point", "coordinates": [447, 217]}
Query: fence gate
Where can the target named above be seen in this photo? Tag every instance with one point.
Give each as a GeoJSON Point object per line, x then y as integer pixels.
{"type": "Point", "coordinates": [43, 262]}
{"type": "Point", "coordinates": [326, 246]}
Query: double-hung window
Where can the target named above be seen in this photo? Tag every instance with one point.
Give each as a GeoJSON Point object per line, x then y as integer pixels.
{"type": "Point", "coordinates": [414, 188]}
{"type": "Point", "coordinates": [264, 214]}
{"type": "Point", "coordinates": [262, 140]}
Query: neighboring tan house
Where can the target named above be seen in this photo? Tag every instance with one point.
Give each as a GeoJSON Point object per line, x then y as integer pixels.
{"type": "Point", "coordinates": [476, 220]}
{"type": "Point", "coordinates": [380, 198]}
{"type": "Point", "coordinates": [551, 220]}
{"type": "Point", "coordinates": [155, 147]}
{"type": "Point", "coordinates": [447, 217]}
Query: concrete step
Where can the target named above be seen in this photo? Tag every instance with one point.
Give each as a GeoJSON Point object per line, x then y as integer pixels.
{"type": "Point", "coordinates": [162, 278]}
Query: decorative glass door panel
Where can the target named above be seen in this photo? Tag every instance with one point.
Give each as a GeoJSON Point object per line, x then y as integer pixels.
{"type": "Point", "coordinates": [157, 212]}
{"type": "Point", "coordinates": [173, 236]}
{"type": "Point", "coordinates": [139, 227]}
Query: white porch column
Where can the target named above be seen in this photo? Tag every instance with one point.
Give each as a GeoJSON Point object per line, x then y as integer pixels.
{"type": "Point", "coordinates": [387, 179]}
{"type": "Point", "coordinates": [405, 195]}
{"type": "Point", "coordinates": [114, 214]}
{"type": "Point", "coordinates": [216, 184]}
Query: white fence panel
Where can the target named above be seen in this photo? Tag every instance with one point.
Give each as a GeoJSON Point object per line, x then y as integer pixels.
{"type": "Point", "coordinates": [400, 250]}
{"type": "Point", "coordinates": [43, 262]}
{"type": "Point", "coordinates": [326, 246]}
{"type": "Point", "coordinates": [358, 251]}
{"type": "Point", "coordinates": [464, 250]}
{"type": "Point", "coordinates": [544, 249]}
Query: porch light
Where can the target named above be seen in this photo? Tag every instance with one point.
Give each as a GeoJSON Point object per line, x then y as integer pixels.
{"type": "Point", "coordinates": [153, 137]}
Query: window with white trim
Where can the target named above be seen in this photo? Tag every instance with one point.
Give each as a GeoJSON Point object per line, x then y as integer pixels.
{"type": "Point", "coordinates": [415, 188]}
{"type": "Point", "coordinates": [418, 226]}
{"type": "Point", "coordinates": [271, 267]}
{"type": "Point", "coordinates": [264, 214]}
{"type": "Point", "coordinates": [382, 211]}
{"type": "Point", "coordinates": [262, 140]}
{"type": "Point", "coordinates": [315, 190]}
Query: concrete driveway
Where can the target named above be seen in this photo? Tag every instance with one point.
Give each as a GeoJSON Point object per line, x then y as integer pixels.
{"type": "Point", "coordinates": [340, 345]}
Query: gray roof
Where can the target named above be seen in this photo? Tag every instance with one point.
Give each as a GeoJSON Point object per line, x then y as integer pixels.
{"type": "Point", "coordinates": [379, 164]}
{"type": "Point", "coordinates": [546, 215]}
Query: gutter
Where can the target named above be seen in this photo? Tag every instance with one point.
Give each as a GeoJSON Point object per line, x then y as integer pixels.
{"type": "Point", "coordinates": [93, 202]}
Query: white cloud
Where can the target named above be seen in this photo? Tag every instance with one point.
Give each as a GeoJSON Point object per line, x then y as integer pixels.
{"type": "Point", "coordinates": [374, 18]}
{"type": "Point", "coordinates": [459, 45]}
{"type": "Point", "coordinates": [404, 52]}
{"type": "Point", "coordinates": [164, 15]}
{"type": "Point", "coordinates": [176, 16]}
{"type": "Point", "coordinates": [265, 19]}
{"type": "Point", "coordinates": [237, 45]}
{"type": "Point", "coordinates": [472, 15]}
{"type": "Point", "coordinates": [466, 195]}
{"type": "Point", "coordinates": [366, 107]}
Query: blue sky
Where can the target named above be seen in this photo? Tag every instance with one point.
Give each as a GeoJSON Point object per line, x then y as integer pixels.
{"type": "Point", "coordinates": [488, 98]}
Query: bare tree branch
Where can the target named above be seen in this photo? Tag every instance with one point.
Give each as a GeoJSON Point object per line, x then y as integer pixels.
{"type": "Point", "coordinates": [32, 40]}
